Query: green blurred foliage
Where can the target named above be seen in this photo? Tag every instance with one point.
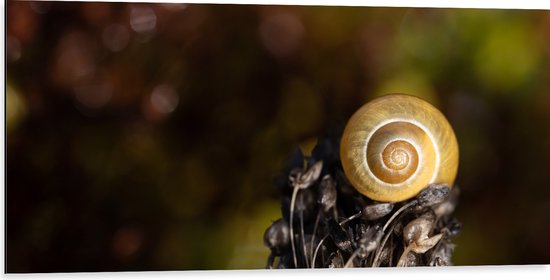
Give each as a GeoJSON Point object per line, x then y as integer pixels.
{"type": "Point", "coordinates": [149, 136]}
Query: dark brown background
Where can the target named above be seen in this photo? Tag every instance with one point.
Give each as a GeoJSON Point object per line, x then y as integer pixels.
{"type": "Point", "coordinates": [147, 137]}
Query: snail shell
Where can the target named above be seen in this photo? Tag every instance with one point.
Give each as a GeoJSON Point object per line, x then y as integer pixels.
{"type": "Point", "coordinates": [395, 146]}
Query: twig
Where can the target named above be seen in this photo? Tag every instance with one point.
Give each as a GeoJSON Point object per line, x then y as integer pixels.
{"type": "Point", "coordinates": [292, 202]}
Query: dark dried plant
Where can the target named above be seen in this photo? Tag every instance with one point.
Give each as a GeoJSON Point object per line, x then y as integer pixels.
{"type": "Point", "coordinates": [341, 228]}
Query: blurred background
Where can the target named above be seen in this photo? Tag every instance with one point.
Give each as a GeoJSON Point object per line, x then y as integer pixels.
{"type": "Point", "coordinates": [149, 136]}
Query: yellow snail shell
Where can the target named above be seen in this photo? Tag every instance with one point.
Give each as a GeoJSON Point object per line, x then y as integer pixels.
{"type": "Point", "coordinates": [396, 145]}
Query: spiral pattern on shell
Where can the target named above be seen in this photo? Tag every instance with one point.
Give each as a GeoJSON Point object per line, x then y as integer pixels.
{"type": "Point", "coordinates": [396, 145]}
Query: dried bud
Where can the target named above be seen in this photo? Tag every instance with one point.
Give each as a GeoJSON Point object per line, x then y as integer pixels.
{"type": "Point", "coordinates": [416, 234]}
{"type": "Point", "coordinates": [418, 228]}
{"type": "Point", "coordinates": [303, 180]}
{"type": "Point", "coordinates": [277, 237]}
{"type": "Point", "coordinates": [377, 211]}
{"type": "Point", "coordinates": [327, 193]}
{"type": "Point", "coordinates": [433, 194]}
